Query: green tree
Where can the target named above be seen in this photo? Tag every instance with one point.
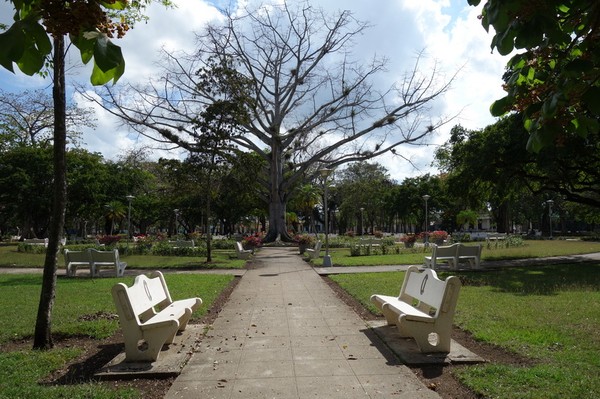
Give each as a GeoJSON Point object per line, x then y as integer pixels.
{"type": "Point", "coordinates": [554, 79]}
{"type": "Point", "coordinates": [26, 174]}
{"type": "Point", "coordinates": [89, 25]}
{"type": "Point", "coordinates": [362, 187]}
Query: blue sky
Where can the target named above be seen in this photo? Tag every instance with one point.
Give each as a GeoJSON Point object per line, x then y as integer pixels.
{"type": "Point", "coordinates": [448, 31]}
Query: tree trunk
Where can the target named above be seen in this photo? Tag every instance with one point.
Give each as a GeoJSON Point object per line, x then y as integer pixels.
{"type": "Point", "coordinates": [43, 330]}
{"type": "Point", "coordinates": [277, 198]}
{"type": "Point", "coordinates": [503, 218]}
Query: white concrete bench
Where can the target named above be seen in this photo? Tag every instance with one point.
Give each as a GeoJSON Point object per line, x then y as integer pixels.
{"type": "Point", "coordinates": [36, 241]}
{"type": "Point", "coordinates": [149, 317]}
{"type": "Point", "coordinates": [496, 236]}
{"type": "Point", "coordinates": [315, 252]}
{"type": "Point", "coordinates": [373, 242]}
{"type": "Point", "coordinates": [241, 252]}
{"type": "Point", "coordinates": [73, 259]}
{"type": "Point", "coordinates": [182, 244]}
{"type": "Point", "coordinates": [424, 310]}
{"type": "Point", "coordinates": [447, 254]}
{"type": "Point", "coordinates": [99, 259]}
{"type": "Point", "coordinates": [471, 254]}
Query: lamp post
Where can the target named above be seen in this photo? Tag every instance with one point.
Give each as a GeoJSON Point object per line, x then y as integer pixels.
{"type": "Point", "coordinates": [176, 211]}
{"type": "Point", "coordinates": [550, 202]}
{"type": "Point", "coordinates": [426, 198]}
{"type": "Point", "coordinates": [325, 174]}
{"type": "Point", "coordinates": [129, 199]}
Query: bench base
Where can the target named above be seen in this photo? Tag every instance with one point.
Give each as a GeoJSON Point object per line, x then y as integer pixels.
{"type": "Point", "coordinates": [169, 363]}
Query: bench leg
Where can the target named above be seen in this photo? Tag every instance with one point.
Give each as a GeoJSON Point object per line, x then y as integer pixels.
{"type": "Point", "coordinates": [428, 338]}
{"type": "Point", "coordinates": [154, 339]}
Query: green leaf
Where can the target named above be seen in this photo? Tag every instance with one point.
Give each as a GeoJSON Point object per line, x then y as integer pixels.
{"type": "Point", "coordinates": [501, 106]}
{"type": "Point", "coordinates": [473, 2]}
{"type": "Point", "coordinates": [592, 99]}
{"type": "Point", "coordinates": [32, 61]}
{"type": "Point", "coordinates": [12, 45]}
{"type": "Point", "coordinates": [107, 55]}
{"type": "Point", "coordinates": [114, 5]}
{"type": "Point", "coordinates": [550, 105]}
{"type": "Point", "coordinates": [100, 77]}
{"type": "Point", "coordinates": [39, 36]}
{"type": "Point", "coordinates": [506, 43]}
{"type": "Point", "coordinates": [85, 46]}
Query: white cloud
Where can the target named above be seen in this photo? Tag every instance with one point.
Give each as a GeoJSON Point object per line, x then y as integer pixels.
{"type": "Point", "coordinates": [448, 30]}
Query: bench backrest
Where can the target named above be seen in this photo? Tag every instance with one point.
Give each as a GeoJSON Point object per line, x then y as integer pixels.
{"type": "Point", "coordinates": [78, 257]}
{"type": "Point", "coordinates": [445, 251]}
{"type": "Point", "coordinates": [469, 250]}
{"type": "Point", "coordinates": [104, 257]}
{"type": "Point", "coordinates": [238, 246]}
{"type": "Point", "coordinates": [36, 241]}
{"type": "Point", "coordinates": [429, 291]}
{"type": "Point", "coordinates": [141, 301]}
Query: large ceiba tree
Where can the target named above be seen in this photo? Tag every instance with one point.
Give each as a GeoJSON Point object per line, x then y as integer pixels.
{"type": "Point", "coordinates": [307, 103]}
{"type": "Point", "coordinates": [553, 79]}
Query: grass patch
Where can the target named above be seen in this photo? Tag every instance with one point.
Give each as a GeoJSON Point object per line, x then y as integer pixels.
{"type": "Point", "coordinates": [80, 302]}
{"type": "Point", "coordinates": [550, 314]}
{"type": "Point", "coordinates": [414, 256]}
{"type": "Point", "coordinates": [222, 259]}
{"type": "Point", "coordinates": [81, 308]}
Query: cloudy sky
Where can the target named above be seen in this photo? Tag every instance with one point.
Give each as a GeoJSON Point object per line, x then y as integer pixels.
{"type": "Point", "coordinates": [447, 30]}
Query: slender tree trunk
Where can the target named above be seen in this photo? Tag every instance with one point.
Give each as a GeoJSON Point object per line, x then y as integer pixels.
{"type": "Point", "coordinates": [43, 330]}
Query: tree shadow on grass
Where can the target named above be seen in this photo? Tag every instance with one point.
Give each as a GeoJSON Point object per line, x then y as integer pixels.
{"type": "Point", "coordinates": [537, 280]}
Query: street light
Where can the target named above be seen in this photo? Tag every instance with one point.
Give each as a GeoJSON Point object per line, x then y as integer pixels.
{"type": "Point", "coordinates": [129, 198]}
{"type": "Point", "coordinates": [362, 221]}
{"type": "Point", "coordinates": [325, 173]}
{"type": "Point", "coordinates": [550, 202]}
{"type": "Point", "coordinates": [426, 198]}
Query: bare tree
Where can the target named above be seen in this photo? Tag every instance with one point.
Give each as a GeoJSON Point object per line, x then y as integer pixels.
{"type": "Point", "coordinates": [308, 104]}
{"type": "Point", "coordinates": [28, 118]}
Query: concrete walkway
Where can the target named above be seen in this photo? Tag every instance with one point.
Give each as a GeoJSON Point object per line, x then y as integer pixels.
{"type": "Point", "coordinates": [285, 334]}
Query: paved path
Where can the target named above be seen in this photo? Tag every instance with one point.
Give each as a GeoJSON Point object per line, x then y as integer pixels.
{"type": "Point", "coordinates": [285, 334]}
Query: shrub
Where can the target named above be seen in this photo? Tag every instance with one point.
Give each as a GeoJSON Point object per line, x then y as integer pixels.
{"type": "Point", "coordinates": [305, 239]}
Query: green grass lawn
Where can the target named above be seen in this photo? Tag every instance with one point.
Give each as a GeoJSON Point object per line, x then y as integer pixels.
{"type": "Point", "coordinates": [222, 259]}
{"type": "Point", "coordinates": [531, 249]}
{"type": "Point", "coordinates": [550, 314]}
{"type": "Point", "coordinates": [80, 309]}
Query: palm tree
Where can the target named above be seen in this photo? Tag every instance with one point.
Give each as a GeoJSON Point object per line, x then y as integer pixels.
{"type": "Point", "coordinates": [115, 212]}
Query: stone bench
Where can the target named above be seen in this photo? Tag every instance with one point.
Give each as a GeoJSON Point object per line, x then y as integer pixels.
{"type": "Point", "coordinates": [454, 255]}
{"type": "Point", "coordinates": [315, 252]}
{"type": "Point", "coordinates": [149, 317]}
{"type": "Point", "coordinates": [182, 244]}
{"type": "Point", "coordinates": [441, 253]}
{"type": "Point", "coordinates": [99, 259]}
{"type": "Point", "coordinates": [424, 309]}
{"type": "Point", "coordinates": [241, 252]}
{"type": "Point", "coordinates": [471, 254]}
